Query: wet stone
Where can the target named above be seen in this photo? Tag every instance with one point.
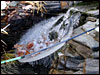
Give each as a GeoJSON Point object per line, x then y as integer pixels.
{"type": "Point", "coordinates": [93, 12]}
{"type": "Point", "coordinates": [60, 67]}
{"type": "Point", "coordinates": [73, 63]}
{"type": "Point", "coordinates": [85, 39]}
{"type": "Point", "coordinates": [81, 49]}
{"type": "Point", "coordinates": [70, 52]}
{"type": "Point", "coordinates": [97, 36]}
{"type": "Point", "coordinates": [92, 66]}
{"type": "Point", "coordinates": [95, 54]}
{"type": "Point", "coordinates": [78, 72]}
{"type": "Point", "coordinates": [89, 25]}
{"type": "Point", "coordinates": [62, 60]}
{"type": "Point", "coordinates": [13, 3]}
{"type": "Point", "coordinates": [54, 71]}
{"type": "Point", "coordinates": [81, 65]}
{"type": "Point", "coordinates": [68, 72]}
{"type": "Point", "coordinates": [93, 19]}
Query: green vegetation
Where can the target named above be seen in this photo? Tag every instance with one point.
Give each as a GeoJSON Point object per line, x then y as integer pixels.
{"type": "Point", "coordinates": [95, 3]}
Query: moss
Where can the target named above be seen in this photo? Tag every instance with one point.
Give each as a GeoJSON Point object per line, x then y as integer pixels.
{"type": "Point", "coordinates": [83, 19]}
{"type": "Point", "coordinates": [7, 56]}
{"type": "Point", "coordinates": [53, 35]}
{"type": "Point", "coordinates": [96, 36]}
{"type": "Point", "coordinates": [71, 12]}
{"type": "Point", "coordinates": [10, 55]}
{"type": "Point", "coordinates": [95, 3]}
{"type": "Point", "coordinates": [82, 3]}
